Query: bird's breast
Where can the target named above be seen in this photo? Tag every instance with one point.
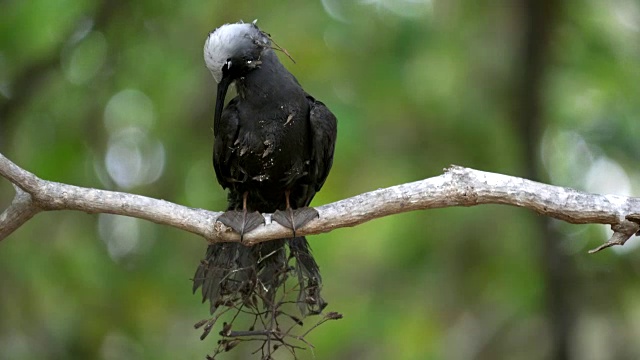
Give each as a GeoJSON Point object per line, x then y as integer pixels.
{"type": "Point", "coordinates": [273, 150]}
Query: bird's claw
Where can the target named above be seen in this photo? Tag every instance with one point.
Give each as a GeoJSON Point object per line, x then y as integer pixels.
{"type": "Point", "coordinates": [294, 219]}
{"type": "Point", "coordinates": [241, 222]}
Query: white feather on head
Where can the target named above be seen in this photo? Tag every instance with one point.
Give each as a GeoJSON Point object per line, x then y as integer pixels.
{"type": "Point", "coordinates": [231, 40]}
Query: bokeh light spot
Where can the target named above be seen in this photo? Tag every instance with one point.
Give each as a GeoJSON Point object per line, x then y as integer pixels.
{"type": "Point", "coordinates": [133, 158]}
{"type": "Point", "coordinates": [82, 62]}
{"type": "Point", "coordinates": [129, 107]}
{"type": "Point", "coordinates": [121, 234]}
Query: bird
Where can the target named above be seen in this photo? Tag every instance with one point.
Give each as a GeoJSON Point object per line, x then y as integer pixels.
{"type": "Point", "coordinates": [273, 150]}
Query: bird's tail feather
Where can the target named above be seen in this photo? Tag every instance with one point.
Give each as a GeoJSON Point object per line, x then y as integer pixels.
{"type": "Point", "coordinates": [271, 269]}
{"type": "Point", "coordinates": [225, 272]}
{"type": "Point", "coordinates": [232, 271]}
{"type": "Point", "coordinates": [309, 279]}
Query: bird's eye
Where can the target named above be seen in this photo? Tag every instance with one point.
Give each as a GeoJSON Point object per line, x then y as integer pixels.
{"type": "Point", "coordinates": [227, 65]}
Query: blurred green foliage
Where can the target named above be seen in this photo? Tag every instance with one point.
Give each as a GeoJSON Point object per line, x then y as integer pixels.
{"type": "Point", "coordinates": [115, 95]}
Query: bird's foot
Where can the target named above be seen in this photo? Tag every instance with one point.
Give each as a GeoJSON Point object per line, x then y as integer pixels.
{"type": "Point", "coordinates": [295, 219]}
{"type": "Point", "coordinates": [241, 221]}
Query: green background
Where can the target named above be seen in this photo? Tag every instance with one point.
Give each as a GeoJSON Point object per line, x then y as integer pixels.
{"type": "Point", "coordinates": [115, 95]}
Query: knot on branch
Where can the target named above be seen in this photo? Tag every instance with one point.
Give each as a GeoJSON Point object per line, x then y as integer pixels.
{"type": "Point", "coordinates": [462, 185]}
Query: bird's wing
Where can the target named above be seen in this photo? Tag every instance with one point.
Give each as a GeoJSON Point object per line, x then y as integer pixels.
{"type": "Point", "coordinates": [225, 133]}
{"type": "Point", "coordinates": [324, 129]}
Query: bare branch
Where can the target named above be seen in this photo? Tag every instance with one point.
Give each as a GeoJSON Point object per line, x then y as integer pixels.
{"type": "Point", "coordinates": [458, 186]}
{"type": "Point", "coordinates": [49, 195]}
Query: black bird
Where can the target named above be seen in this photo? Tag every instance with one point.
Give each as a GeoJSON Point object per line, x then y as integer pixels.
{"type": "Point", "coordinates": [273, 150]}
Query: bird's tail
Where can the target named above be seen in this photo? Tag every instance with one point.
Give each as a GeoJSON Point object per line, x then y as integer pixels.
{"type": "Point", "coordinates": [233, 272]}
{"type": "Point", "coordinates": [309, 279]}
{"type": "Point", "coordinates": [224, 273]}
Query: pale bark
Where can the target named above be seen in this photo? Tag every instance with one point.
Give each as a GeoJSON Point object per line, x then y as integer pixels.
{"type": "Point", "coordinates": [457, 186]}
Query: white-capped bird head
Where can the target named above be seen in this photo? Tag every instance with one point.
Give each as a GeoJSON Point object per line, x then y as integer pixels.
{"type": "Point", "coordinates": [234, 48]}
{"type": "Point", "coordinates": [230, 52]}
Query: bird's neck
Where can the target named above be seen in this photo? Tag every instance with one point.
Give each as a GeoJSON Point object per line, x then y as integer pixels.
{"type": "Point", "coordinates": [270, 83]}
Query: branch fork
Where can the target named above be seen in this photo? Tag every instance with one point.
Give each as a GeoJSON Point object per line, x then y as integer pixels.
{"type": "Point", "coordinates": [621, 232]}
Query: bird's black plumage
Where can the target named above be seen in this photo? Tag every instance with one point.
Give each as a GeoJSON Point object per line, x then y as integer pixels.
{"type": "Point", "coordinates": [272, 140]}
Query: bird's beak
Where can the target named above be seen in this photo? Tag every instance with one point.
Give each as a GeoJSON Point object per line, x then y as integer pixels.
{"type": "Point", "coordinates": [223, 86]}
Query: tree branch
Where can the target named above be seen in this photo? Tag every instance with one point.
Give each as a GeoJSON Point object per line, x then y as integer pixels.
{"type": "Point", "coordinates": [458, 186]}
{"type": "Point", "coordinates": [21, 209]}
